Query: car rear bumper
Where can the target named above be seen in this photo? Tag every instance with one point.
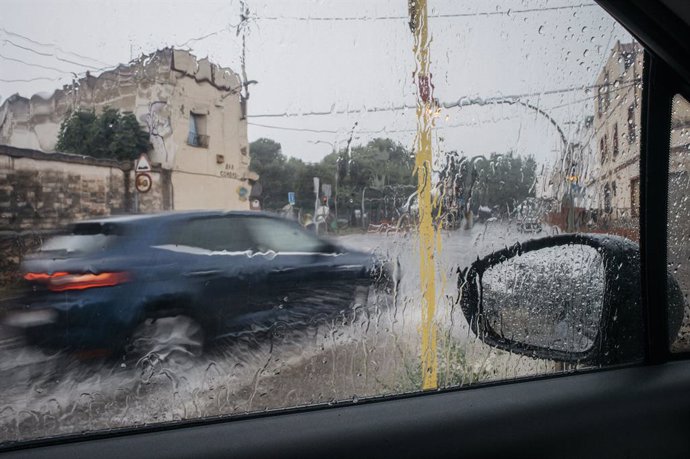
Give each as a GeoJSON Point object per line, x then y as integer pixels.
{"type": "Point", "coordinates": [78, 321]}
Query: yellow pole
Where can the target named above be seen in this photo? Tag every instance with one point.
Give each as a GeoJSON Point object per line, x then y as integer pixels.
{"type": "Point", "coordinates": [427, 239]}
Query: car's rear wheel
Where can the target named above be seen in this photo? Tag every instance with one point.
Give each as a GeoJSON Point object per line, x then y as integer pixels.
{"type": "Point", "coordinates": [171, 341]}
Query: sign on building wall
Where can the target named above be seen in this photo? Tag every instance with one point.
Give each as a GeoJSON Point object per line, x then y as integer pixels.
{"type": "Point", "coordinates": [143, 182]}
{"type": "Point", "coordinates": [143, 164]}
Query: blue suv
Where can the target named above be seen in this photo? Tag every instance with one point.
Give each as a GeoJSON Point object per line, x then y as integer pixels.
{"type": "Point", "coordinates": [188, 278]}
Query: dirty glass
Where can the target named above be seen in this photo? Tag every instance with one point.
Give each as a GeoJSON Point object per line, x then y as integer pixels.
{"type": "Point", "coordinates": [679, 226]}
{"type": "Point", "coordinates": [408, 139]}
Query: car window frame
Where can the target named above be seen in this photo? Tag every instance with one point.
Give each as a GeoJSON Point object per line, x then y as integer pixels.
{"type": "Point", "coordinates": [666, 72]}
{"type": "Point", "coordinates": [663, 78]}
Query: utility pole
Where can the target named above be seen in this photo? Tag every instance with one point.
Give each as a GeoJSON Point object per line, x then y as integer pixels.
{"type": "Point", "coordinates": [426, 108]}
{"type": "Point", "coordinates": [337, 170]}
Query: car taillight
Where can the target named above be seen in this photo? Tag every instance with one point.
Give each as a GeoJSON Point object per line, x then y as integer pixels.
{"type": "Point", "coordinates": [62, 281]}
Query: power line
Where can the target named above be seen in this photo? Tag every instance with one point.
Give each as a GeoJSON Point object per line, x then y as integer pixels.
{"type": "Point", "coordinates": [433, 16]}
{"type": "Point", "coordinates": [228, 28]}
{"type": "Point", "coordinates": [35, 65]}
{"type": "Point", "coordinates": [29, 80]}
{"type": "Point", "coordinates": [50, 45]}
{"type": "Point", "coordinates": [461, 102]}
{"type": "Point", "coordinates": [384, 130]}
{"type": "Point", "coordinates": [53, 55]}
{"type": "Point", "coordinates": [378, 18]}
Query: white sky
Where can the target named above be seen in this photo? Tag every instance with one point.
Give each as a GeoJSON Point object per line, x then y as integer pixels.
{"type": "Point", "coordinates": [315, 65]}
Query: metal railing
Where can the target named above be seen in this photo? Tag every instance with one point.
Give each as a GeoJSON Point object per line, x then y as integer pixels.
{"type": "Point", "coordinates": [198, 140]}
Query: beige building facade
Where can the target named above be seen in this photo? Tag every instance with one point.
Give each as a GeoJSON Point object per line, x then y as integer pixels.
{"type": "Point", "coordinates": [613, 176]}
{"type": "Point", "coordinates": [192, 109]}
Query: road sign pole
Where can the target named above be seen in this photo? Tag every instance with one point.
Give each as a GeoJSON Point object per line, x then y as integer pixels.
{"type": "Point", "coordinates": [316, 203]}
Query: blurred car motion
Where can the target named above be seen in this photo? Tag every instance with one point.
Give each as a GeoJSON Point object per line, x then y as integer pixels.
{"type": "Point", "coordinates": [185, 278]}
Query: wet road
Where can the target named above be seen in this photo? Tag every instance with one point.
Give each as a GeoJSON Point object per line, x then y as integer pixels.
{"type": "Point", "coordinates": [366, 352]}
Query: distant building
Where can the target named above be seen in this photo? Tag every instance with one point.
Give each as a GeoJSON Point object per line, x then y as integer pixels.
{"type": "Point", "coordinates": [192, 109]}
{"type": "Point", "coordinates": [614, 177]}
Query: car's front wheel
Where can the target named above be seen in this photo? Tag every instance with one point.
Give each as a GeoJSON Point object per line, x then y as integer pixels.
{"type": "Point", "coordinates": [171, 341]}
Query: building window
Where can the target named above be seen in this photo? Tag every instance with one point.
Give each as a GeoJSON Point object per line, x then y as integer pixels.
{"type": "Point", "coordinates": [607, 199]}
{"type": "Point", "coordinates": [635, 197]}
{"type": "Point", "coordinates": [603, 148]}
{"type": "Point", "coordinates": [615, 140]}
{"type": "Point", "coordinates": [628, 59]}
{"type": "Point", "coordinates": [197, 131]}
{"type": "Point", "coordinates": [631, 124]}
{"type": "Point", "coordinates": [607, 94]}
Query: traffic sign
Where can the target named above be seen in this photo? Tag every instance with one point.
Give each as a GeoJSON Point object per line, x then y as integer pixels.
{"type": "Point", "coordinates": [143, 164]}
{"type": "Point", "coordinates": [326, 188]}
{"type": "Point", "coordinates": [143, 182]}
{"type": "Point", "coordinates": [291, 198]}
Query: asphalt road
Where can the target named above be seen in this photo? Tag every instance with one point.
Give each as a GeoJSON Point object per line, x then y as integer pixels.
{"type": "Point", "coordinates": [372, 351]}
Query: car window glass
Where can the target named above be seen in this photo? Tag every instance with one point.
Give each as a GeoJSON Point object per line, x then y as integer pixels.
{"type": "Point", "coordinates": [278, 236]}
{"type": "Point", "coordinates": [679, 225]}
{"type": "Point", "coordinates": [216, 234]}
{"type": "Point", "coordinates": [401, 141]}
{"type": "Point", "coordinates": [72, 244]}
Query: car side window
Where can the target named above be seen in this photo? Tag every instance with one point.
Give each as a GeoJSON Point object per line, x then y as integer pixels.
{"type": "Point", "coordinates": [215, 234]}
{"type": "Point", "coordinates": [279, 236]}
{"type": "Point", "coordinates": [678, 256]}
{"type": "Point", "coordinates": [423, 136]}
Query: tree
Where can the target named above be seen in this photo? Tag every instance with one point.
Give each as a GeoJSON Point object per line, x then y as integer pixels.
{"type": "Point", "coordinates": [379, 163]}
{"type": "Point", "coordinates": [278, 174]}
{"type": "Point", "coordinates": [265, 152]}
{"type": "Point", "coordinates": [111, 135]}
{"type": "Point", "coordinates": [505, 180]}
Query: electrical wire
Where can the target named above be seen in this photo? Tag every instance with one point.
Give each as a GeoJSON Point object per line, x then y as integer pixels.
{"type": "Point", "coordinates": [51, 45]}
{"type": "Point", "coordinates": [55, 69]}
{"type": "Point", "coordinates": [53, 55]}
{"type": "Point", "coordinates": [463, 101]}
{"type": "Point", "coordinates": [29, 80]}
{"type": "Point", "coordinates": [431, 16]}
{"type": "Point", "coordinates": [384, 130]}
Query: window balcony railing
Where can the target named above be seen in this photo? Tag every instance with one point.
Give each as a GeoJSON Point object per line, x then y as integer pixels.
{"type": "Point", "coordinates": [198, 140]}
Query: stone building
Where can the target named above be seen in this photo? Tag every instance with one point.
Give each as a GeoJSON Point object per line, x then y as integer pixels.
{"type": "Point", "coordinates": [613, 180]}
{"type": "Point", "coordinates": [192, 109]}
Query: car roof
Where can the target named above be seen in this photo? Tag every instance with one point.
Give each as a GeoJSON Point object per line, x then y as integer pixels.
{"type": "Point", "coordinates": [163, 217]}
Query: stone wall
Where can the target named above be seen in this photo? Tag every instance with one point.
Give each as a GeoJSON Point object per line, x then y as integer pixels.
{"type": "Point", "coordinates": [41, 193]}
{"type": "Point", "coordinates": [44, 191]}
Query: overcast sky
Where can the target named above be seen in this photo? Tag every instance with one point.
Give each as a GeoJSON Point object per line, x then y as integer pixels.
{"type": "Point", "coordinates": [340, 56]}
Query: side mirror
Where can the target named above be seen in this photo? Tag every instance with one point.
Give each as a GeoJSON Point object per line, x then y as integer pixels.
{"type": "Point", "coordinates": [572, 298]}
